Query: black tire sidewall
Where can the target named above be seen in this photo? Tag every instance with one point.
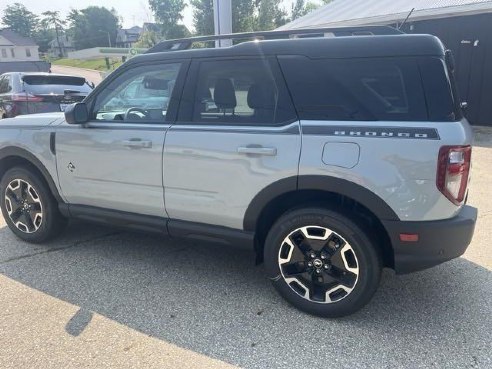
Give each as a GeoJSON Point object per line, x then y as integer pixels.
{"type": "Point", "coordinates": [52, 219]}
{"type": "Point", "coordinates": [368, 258]}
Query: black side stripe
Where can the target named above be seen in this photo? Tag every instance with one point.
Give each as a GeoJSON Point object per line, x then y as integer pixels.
{"type": "Point", "coordinates": [373, 132]}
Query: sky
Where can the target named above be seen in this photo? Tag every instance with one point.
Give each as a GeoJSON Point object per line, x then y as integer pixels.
{"type": "Point", "coordinates": [133, 12]}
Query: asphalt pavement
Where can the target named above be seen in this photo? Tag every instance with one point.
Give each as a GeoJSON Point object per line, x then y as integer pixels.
{"type": "Point", "coordinates": [99, 297]}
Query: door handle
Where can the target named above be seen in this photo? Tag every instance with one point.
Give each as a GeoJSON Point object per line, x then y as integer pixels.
{"type": "Point", "coordinates": [257, 150]}
{"type": "Point", "coordinates": [137, 143]}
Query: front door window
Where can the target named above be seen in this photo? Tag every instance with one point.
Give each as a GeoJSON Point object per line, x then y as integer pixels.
{"type": "Point", "coordinates": [141, 95]}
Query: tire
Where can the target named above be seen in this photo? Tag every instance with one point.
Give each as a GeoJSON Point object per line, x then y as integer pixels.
{"type": "Point", "coordinates": [322, 262]}
{"type": "Point", "coordinates": [28, 206]}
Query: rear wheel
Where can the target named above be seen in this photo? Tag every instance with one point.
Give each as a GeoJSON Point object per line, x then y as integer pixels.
{"type": "Point", "coordinates": [28, 206]}
{"type": "Point", "coordinates": [322, 262]}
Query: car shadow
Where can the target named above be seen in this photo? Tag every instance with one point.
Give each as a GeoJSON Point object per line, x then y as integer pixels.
{"type": "Point", "coordinates": [215, 301]}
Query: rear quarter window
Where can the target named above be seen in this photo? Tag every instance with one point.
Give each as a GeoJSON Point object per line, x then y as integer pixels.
{"type": "Point", "coordinates": [442, 104]}
{"type": "Point", "coordinates": [364, 89]}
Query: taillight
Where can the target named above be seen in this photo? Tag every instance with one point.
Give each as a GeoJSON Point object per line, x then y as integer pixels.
{"type": "Point", "coordinates": [453, 169]}
{"type": "Point", "coordinates": [26, 97]}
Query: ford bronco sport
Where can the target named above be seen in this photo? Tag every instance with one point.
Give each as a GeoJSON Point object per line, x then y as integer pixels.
{"type": "Point", "coordinates": [331, 157]}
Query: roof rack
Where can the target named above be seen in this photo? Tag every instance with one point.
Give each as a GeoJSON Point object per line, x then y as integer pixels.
{"type": "Point", "coordinates": [187, 43]}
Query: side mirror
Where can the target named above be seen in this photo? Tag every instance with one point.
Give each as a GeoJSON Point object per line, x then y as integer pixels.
{"type": "Point", "coordinates": [77, 113]}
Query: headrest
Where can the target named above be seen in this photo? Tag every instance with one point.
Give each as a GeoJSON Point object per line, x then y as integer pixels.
{"type": "Point", "coordinates": [261, 96]}
{"type": "Point", "coordinates": [224, 94]}
{"type": "Point", "coordinates": [205, 94]}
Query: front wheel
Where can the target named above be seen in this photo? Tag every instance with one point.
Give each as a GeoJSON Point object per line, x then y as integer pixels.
{"type": "Point", "coordinates": [322, 262]}
{"type": "Point", "coordinates": [28, 206]}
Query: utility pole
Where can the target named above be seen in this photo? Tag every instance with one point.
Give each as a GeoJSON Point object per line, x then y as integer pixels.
{"type": "Point", "coordinates": [109, 39]}
{"type": "Point", "coordinates": [60, 52]}
{"type": "Point", "coordinates": [222, 21]}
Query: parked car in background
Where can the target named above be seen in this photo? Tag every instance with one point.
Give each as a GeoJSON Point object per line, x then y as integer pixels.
{"type": "Point", "coordinates": [29, 93]}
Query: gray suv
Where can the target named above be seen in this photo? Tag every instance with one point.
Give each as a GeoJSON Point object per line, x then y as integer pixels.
{"type": "Point", "coordinates": [330, 157]}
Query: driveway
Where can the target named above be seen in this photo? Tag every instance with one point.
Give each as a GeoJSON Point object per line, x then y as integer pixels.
{"type": "Point", "coordinates": [100, 297]}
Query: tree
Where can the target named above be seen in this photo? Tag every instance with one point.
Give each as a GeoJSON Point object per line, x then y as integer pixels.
{"type": "Point", "coordinates": [148, 39]}
{"type": "Point", "coordinates": [203, 17]}
{"type": "Point", "coordinates": [93, 26]}
{"type": "Point", "coordinates": [301, 8]}
{"type": "Point", "coordinates": [169, 13]}
{"type": "Point", "coordinates": [298, 9]}
{"type": "Point", "coordinates": [52, 19]}
{"type": "Point", "coordinates": [19, 19]}
{"type": "Point", "coordinates": [43, 37]}
{"type": "Point", "coordinates": [270, 15]}
{"type": "Point", "coordinates": [243, 15]}
{"type": "Point", "coordinates": [310, 6]}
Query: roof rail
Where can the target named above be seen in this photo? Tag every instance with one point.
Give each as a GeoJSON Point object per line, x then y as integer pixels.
{"type": "Point", "coordinates": [187, 43]}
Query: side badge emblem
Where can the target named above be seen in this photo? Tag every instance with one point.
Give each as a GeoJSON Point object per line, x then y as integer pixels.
{"type": "Point", "coordinates": [71, 167]}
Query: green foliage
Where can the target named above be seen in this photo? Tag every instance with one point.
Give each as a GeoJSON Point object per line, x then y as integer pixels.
{"type": "Point", "coordinates": [247, 15]}
{"type": "Point", "coordinates": [148, 39]}
{"type": "Point", "coordinates": [96, 64]}
{"type": "Point", "coordinates": [310, 6]}
{"type": "Point", "coordinates": [18, 18]}
{"type": "Point", "coordinates": [298, 9]}
{"type": "Point", "coordinates": [43, 37]}
{"type": "Point", "coordinates": [52, 20]}
{"type": "Point", "coordinates": [270, 15]}
{"type": "Point", "coordinates": [176, 31]}
{"type": "Point", "coordinates": [203, 16]}
{"type": "Point", "coordinates": [301, 8]}
{"type": "Point", "coordinates": [169, 13]}
{"type": "Point", "coordinates": [243, 15]}
{"type": "Point", "coordinates": [90, 27]}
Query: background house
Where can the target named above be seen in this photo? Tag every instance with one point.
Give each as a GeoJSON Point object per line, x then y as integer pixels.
{"type": "Point", "coordinates": [61, 48]}
{"type": "Point", "coordinates": [465, 27]}
{"type": "Point", "coordinates": [128, 37]}
{"type": "Point", "coordinates": [14, 47]}
{"type": "Point", "coordinates": [151, 27]}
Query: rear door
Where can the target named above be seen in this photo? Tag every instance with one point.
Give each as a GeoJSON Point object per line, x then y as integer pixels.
{"type": "Point", "coordinates": [115, 160]}
{"type": "Point", "coordinates": [236, 133]}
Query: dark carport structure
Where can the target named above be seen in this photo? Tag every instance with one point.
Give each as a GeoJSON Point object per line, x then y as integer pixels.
{"type": "Point", "coordinates": [465, 26]}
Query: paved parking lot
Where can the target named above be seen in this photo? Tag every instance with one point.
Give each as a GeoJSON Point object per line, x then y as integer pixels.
{"type": "Point", "coordinates": [100, 297]}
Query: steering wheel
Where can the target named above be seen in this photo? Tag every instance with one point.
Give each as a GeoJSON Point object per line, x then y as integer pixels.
{"type": "Point", "coordinates": [133, 111]}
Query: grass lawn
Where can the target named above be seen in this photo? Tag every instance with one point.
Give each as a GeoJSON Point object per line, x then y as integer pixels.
{"type": "Point", "coordinates": [96, 64]}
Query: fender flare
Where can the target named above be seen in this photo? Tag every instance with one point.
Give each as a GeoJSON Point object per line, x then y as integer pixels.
{"type": "Point", "coordinates": [13, 151]}
{"type": "Point", "coordinates": [321, 183]}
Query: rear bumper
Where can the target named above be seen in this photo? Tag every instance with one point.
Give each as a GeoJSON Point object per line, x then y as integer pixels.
{"type": "Point", "coordinates": [439, 240]}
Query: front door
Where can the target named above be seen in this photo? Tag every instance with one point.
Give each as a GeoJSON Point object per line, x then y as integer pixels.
{"type": "Point", "coordinates": [115, 160]}
{"type": "Point", "coordinates": [236, 134]}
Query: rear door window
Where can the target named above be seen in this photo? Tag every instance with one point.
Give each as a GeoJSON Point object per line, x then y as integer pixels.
{"type": "Point", "coordinates": [51, 84]}
{"type": "Point", "coordinates": [376, 89]}
{"type": "Point", "coordinates": [238, 92]}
